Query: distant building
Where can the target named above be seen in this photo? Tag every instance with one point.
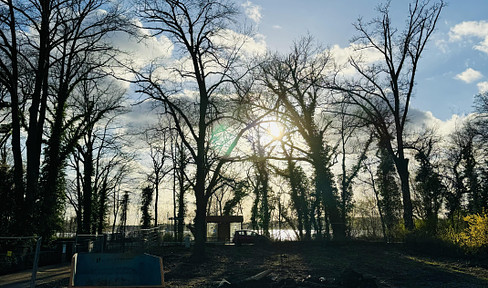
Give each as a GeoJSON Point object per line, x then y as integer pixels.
{"type": "Point", "coordinates": [220, 228]}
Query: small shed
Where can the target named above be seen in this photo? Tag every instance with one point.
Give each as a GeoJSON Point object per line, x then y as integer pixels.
{"type": "Point", "coordinates": [223, 224]}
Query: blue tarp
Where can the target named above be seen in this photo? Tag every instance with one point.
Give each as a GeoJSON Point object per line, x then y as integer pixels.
{"type": "Point", "coordinates": [100, 270]}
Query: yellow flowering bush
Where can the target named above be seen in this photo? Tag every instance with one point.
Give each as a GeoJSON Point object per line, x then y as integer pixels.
{"type": "Point", "coordinates": [474, 238]}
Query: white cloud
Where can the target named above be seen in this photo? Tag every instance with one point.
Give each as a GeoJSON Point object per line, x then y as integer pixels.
{"type": "Point", "coordinates": [420, 120]}
{"type": "Point", "coordinates": [469, 75]}
{"type": "Point", "coordinates": [449, 126]}
{"type": "Point", "coordinates": [253, 11]}
{"type": "Point", "coordinates": [483, 87]}
{"type": "Point", "coordinates": [277, 27]}
{"type": "Point", "coordinates": [478, 29]}
{"type": "Point", "coordinates": [249, 46]}
{"type": "Point", "coordinates": [442, 45]}
{"type": "Point", "coordinates": [139, 51]}
{"type": "Point", "coordinates": [341, 56]}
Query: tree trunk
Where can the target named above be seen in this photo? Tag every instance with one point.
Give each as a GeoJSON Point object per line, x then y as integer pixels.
{"type": "Point", "coordinates": [87, 188]}
{"type": "Point", "coordinates": [402, 168]}
{"type": "Point", "coordinates": [200, 230]}
{"type": "Point", "coordinates": [50, 200]}
{"type": "Point", "coordinates": [16, 120]}
{"type": "Point", "coordinates": [181, 215]}
{"type": "Point", "coordinates": [324, 190]}
{"type": "Point", "coordinates": [201, 170]}
{"type": "Point", "coordinates": [102, 207]}
{"type": "Point", "coordinates": [37, 113]}
{"type": "Point", "coordinates": [156, 199]}
{"type": "Point", "coordinates": [181, 202]}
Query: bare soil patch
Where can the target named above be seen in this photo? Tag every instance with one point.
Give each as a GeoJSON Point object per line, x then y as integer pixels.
{"type": "Point", "coordinates": [317, 264]}
{"type": "Point", "coordinates": [321, 264]}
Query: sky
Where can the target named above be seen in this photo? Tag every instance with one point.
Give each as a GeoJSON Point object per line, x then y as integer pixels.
{"type": "Point", "coordinates": [454, 67]}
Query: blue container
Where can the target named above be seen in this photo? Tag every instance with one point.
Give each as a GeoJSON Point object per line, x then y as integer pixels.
{"type": "Point", "coordinates": [116, 270]}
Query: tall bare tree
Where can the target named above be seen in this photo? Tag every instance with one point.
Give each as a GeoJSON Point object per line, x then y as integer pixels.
{"type": "Point", "coordinates": [159, 154]}
{"type": "Point", "coordinates": [349, 131]}
{"type": "Point", "coordinates": [79, 61]}
{"type": "Point", "coordinates": [100, 167]}
{"type": "Point", "coordinates": [261, 210]}
{"type": "Point", "coordinates": [180, 160]}
{"type": "Point", "coordinates": [50, 46]}
{"type": "Point", "coordinates": [300, 196]}
{"type": "Point", "coordinates": [202, 117]}
{"type": "Point", "coordinates": [297, 81]}
{"type": "Point", "coordinates": [18, 64]}
{"type": "Point", "coordinates": [383, 90]}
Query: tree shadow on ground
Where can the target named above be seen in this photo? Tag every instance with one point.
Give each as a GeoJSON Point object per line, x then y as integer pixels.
{"type": "Point", "coordinates": [322, 263]}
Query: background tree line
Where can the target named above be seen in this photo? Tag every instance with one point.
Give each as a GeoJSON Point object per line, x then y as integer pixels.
{"type": "Point", "coordinates": [218, 109]}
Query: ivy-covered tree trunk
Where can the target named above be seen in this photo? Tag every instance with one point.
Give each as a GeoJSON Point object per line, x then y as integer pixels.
{"type": "Point", "coordinates": [298, 196]}
{"type": "Point", "coordinates": [388, 190]}
{"type": "Point", "coordinates": [403, 172]}
{"type": "Point", "coordinates": [325, 188]}
{"type": "Point", "coordinates": [146, 199]}
{"type": "Point", "coordinates": [37, 114]}
{"type": "Point", "coordinates": [255, 208]}
{"type": "Point", "coordinates": [264, 210]}
{"type": "Point", "coordinates": [470, 167]}
{"type": "Point", "coordinates": [7, 199]}
{"type": "Point", "coordinates": [430, 188]}
{"type": "Point", "coordinates": [102, 207]}
{"type": "Point", "coordinates": [124, 206]}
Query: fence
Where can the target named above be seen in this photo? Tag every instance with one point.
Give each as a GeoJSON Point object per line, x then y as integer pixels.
{"type": "Point", "coordinates": [20, 253]}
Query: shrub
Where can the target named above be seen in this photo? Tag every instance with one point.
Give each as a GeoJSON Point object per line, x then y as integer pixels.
{"type": "Point", "coordinates": [474, 238]}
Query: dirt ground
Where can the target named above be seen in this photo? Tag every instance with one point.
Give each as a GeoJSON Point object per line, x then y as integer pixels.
{"type": "Point", "coordinates": [317, 264]}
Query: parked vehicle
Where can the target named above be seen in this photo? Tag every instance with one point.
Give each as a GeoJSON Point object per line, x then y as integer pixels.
{"type": "Point", "coordinates": [249, 237]}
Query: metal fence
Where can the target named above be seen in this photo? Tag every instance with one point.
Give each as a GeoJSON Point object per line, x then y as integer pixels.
{"type": "Point", "coordinates": [19, 253]}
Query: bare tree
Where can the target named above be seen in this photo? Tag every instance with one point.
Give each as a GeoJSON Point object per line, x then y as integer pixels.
{"type": "Point", "coordinates": [15, 63]}
{"type": "Point", "coordinates": [261, 210]}
{"type": "Point", "coordinates": [367, 166]}
{"type": "Point", "coordinates": [79, 61]}
{"type": "Point", "coordinates": [40, 68]}
{"type": "Point", "coordinates": [100, 167]}
{"type": "Point", "coordinates": [159, 153]}
{"type": "Point", "coordinates": [297, 81]}
{"type": "Point", "coordinates": [349, 129]}
{"type": "Point", "coordinates": [9, 77]}
{"type": "Point", "coordinates": [300, 197]}
{"type": "Point", "coordinates": [180, 160]}
{"type": "Point", "coordinates": [208, 64]}
{"type": "Point", "coordinates": [383, 90]}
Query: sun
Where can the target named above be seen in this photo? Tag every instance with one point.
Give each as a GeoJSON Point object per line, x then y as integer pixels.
{"type": "Point", "coordinates": [275, 129]}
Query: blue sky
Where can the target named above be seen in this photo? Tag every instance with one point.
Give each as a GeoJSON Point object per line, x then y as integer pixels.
{"type": "Point", "coordinates": [454, 67]}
